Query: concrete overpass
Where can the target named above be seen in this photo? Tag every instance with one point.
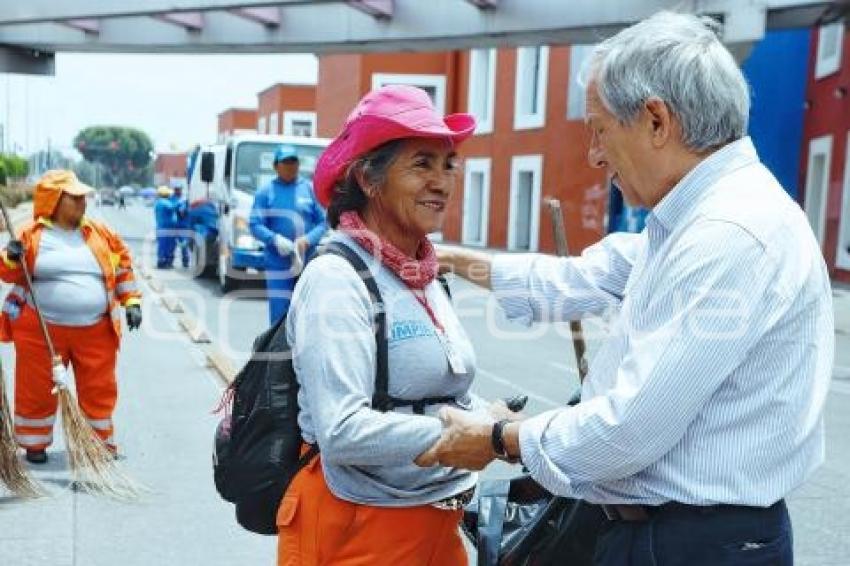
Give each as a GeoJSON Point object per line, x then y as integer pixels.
{"type": "Point", "coordinates": [32, 31]}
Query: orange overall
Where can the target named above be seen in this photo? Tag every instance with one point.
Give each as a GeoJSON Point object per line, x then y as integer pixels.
{"type": "Point", "coordinates": [90, 350]}
{"type": "Point", "coordinates": [317, 528]}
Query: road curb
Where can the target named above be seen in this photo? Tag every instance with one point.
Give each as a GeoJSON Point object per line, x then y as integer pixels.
{"type": "Point", "coordinates": [171, 302]}
{"type": "Point", "coordinates": [221, 364]}
{"type": "Point", "coordinates": [195, 331]}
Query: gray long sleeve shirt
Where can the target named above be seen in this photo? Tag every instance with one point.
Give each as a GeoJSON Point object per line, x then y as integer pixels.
{"type": "Point", "coordinates": [367, 455]}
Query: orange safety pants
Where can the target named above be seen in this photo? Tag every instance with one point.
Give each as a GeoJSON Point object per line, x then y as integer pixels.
{"type": "Point", "coordinates": [90, 350]}
{"type": "Point", "coordinates": [317, 528]}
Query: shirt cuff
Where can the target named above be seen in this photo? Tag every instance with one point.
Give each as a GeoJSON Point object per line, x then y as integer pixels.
{"type": "Point", "coordinates": [509, 281]}
{"type": "Point", "coordinates": [533, 455]}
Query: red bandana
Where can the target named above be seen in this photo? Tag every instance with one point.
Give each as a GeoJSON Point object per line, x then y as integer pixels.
{"type": "Point", "coordinates": [416, 273]}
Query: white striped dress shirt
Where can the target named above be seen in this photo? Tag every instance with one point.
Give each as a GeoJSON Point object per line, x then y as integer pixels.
{"type": "Point", "coordinates": [711, 385]}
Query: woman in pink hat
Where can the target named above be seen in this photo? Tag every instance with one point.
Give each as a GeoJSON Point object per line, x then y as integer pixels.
{"type": "Point", "coordinates": [386, 180]}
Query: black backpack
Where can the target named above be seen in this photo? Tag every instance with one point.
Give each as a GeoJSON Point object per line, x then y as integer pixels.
{"type": "Point", "coordinates": [257, 445]}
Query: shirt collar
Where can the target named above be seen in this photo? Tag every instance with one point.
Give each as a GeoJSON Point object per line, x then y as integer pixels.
{"type": "Point", "coordinates": [693, 187]}
{"type": "Point", "coordinates": [47, 222]}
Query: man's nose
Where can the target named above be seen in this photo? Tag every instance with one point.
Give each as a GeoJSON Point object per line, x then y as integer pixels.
{"type": "Point", "coordinates": [596, 157]}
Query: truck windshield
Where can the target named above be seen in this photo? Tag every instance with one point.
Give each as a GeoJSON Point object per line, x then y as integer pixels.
{"type": "Point", "coordinates": [253, 167]}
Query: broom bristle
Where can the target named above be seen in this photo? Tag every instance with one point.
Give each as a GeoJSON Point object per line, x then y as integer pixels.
{"type": "Point", "coordinates": [13, 474]}
{"type": "Point", "coordinates": [93, 466]}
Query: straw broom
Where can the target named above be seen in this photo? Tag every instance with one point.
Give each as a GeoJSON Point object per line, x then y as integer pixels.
{"type": "Point", "coordinates": [93, 466]}
{"type": "Point", "coordinates": [13, 473]}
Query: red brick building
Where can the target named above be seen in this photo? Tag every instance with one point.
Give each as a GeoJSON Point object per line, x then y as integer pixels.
{"type": "Point", "coordinates": [530, 143]}
{"type": "Point", "coordinates": [826, 152]}
{"type": "Point", "coordinates": [235, 121]}
{"type": "Point", "coordinates": [287, 109]}
{"type": "Point", "coordinates": [170, 168]}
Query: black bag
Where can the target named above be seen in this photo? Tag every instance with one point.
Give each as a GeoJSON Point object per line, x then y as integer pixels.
{"type": "Point", "coordinates": [516, 522]}
{"type": "Point", "coordinates": [257, 445]}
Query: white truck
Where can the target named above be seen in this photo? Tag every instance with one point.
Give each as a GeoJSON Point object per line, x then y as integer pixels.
{"type": "Point", "coordinates": [221, 187]}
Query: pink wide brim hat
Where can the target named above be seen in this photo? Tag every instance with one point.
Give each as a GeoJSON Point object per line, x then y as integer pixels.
{"type": "Point", "coordinates": [388, 113]}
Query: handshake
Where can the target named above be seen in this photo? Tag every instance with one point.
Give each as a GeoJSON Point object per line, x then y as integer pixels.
{"type": "Point", "coordinates": [467, 438]}
{"type": "Point", "coordinates": [297, 249]}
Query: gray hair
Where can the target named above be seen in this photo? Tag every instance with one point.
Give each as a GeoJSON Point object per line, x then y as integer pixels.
{"type": "Point", "coordinates": [678, 59]}
{"type": "Point", "coordinates": [374, 165]}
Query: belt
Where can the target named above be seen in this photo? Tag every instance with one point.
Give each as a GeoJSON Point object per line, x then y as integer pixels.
{"type": "Point", "coordinates": [643, 513]}
{"type": "Point", "coordinates": [455, 502]}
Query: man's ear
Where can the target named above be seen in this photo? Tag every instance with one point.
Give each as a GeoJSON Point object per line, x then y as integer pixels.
{"type": "Point", "coordinates": [660, 121]}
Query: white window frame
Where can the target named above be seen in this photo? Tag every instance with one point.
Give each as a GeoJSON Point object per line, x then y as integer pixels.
{"type": "Point", "coordinates": [524, 121]}
{"type": "Point", "coordinates": [842, 256]}
{"type": "Point", "coordinates": [480, 165]}
{"type": "Point", "coordinates": [825, 66]}
{"type": "Point", "coordinates": [576, 92]}
{"type": "Point", "coordinates": [274, 125]}
{"type": "Point", "coordinates": [261, 125]}
{"type": "Point", "coordinates": [818, 146]}
{"type": "Point", "coordinates": [519, 164]}
{"type": "Point", "coordinates": [479, 60]}
{"type": "Point", "coordinates": [290, 117]}
{"type": "Point", "coordinates": [438, 82]}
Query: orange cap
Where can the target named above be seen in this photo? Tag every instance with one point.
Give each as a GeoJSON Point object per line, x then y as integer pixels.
{"type": "Point", "coordinates": [49, 189]}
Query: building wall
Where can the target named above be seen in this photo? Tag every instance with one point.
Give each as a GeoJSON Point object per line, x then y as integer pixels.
{"type": "Point", "coordinates": [337, 92]}
{"type": "Point", "coordinates": [828, 113]}
{"type": "Point", "coordinates": [168, 167]}
{"type": "Point", "coordinates": [235, 120]}
{"type": "Point", "coordinates": [567, 175]}
{"type": "Point", "coordinates": [282, 98]}
{"type": "Point", "coordinates": [345, 78]}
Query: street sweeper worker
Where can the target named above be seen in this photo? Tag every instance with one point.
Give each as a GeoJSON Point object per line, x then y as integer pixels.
{"type": "Point", "coordinates": [82, 275]}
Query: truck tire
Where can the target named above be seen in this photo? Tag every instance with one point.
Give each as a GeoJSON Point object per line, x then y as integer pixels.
{"type": "Point", "coordinates": [226, 281]}
{"type": "Point", "coordinates": [200, 264]}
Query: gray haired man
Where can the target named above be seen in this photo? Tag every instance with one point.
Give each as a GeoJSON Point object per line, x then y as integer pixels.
{"type": "Point", "coordinates": [703, 408]}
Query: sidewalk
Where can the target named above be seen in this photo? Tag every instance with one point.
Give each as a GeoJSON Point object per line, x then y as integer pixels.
{"type": "Point", "coordinates": [164, 429]}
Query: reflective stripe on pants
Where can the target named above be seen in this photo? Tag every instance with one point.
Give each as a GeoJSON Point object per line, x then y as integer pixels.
{"type": "Point", "coordinates": [90, 350]}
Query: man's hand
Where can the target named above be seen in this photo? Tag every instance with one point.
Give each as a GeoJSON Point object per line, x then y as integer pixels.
{"type": "Point", "coordinates": [15, 250]}
{"type": "Point", "coordinates": [283, 245]}
{"type": "Point", "coordinates": [465, 442]}
{"type": "Point", "coordinates": [134, 317]}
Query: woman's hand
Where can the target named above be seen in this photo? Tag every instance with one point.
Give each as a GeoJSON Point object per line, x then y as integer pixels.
{"type": "Point", "coordinates": [499, 410]}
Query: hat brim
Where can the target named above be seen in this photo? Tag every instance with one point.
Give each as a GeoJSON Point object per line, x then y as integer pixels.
{"type": "Point", "coordinates": [77, 189]}
{"type": "Point", "coordinates": [347, 147]}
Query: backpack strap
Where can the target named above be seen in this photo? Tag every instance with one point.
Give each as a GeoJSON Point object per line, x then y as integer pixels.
{"type": "Point", "coordinates": [381, 400]}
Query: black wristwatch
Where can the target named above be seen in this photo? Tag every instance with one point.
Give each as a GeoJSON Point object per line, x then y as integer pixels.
{"type": "Point", "coordinates": [497, 439]}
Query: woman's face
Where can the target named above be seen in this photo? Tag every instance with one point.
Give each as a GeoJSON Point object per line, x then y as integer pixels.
{"type": "Point", "coordinates": [419, 183]}
{"type": "Point", "coordinates": [70, 210]}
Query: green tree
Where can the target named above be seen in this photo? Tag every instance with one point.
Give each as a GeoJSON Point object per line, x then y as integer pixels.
{"type": "Point", "coordinates": [13, 167]}
{"type": "Point", "coordinates": [123, 154]}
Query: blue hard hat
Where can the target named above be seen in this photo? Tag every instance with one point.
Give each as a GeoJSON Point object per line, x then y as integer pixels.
{"type": "Point", "coordinates": [285, 152]}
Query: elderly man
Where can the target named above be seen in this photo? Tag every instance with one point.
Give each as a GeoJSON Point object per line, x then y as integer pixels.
{"type": "Point", "coordinates": [703, 408]}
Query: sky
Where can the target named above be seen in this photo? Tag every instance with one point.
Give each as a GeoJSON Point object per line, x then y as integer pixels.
{"type": "Point", "coordinates": [175, 99]}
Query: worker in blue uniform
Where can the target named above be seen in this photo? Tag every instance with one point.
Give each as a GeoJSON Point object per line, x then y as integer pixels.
{"type": "Point", "coordinates": [289, 222]}
{"type": "Point", "coordinates": [163, 211]}
{"type": "Point", "coordinates": [181, 223]}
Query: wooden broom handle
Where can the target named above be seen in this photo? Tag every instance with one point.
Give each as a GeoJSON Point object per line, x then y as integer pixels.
{"type": "Point", "coordinates": [8, 222]}
{"type": "Point", "coordinates": [562, 250]}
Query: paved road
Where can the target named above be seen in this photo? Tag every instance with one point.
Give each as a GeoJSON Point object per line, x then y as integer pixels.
{"type": "Point", "coordinates": [165, 431]}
